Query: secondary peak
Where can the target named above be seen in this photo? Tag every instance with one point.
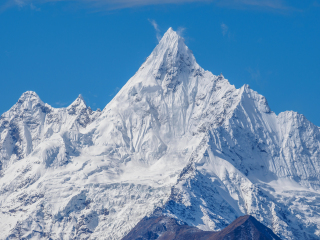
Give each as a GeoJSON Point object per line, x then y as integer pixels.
{"type": "Point", "coordinates": [30, 97]}
{"type": "Point", "coordinates": [78, 103]}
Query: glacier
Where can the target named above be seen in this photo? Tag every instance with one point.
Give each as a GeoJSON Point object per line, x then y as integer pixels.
{"type": "Point", "coordinates": [175, 138]}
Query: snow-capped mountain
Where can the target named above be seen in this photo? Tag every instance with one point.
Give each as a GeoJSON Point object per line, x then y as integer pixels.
{"type": "Point", "coordinates": [175, 138]}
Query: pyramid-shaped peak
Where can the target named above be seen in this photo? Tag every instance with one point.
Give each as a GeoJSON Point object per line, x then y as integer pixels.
{"type": "Point", "coordinates": [171, 39]}
{"type": "Point", "coordinates": [169, 64]}
{"type": "Point", "coordinates": [79, 103]}
{"type": "Point", "coordinates": [80, 97]}
{"type": "Point", "coordinates": [170, 30]}
{"type": "Point", "coordinates": [169, 53]}
{"type": "Point", "coordinates": [29, 96]}
{"type": "Point", "coordinates": [173, 35]}
{"type": "Point", "coordinates": [29, 100]}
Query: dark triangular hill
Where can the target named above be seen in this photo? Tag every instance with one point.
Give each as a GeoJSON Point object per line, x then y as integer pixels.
{"type": "Point", "coordinates": [166, 228]}
{"type": "Point", "coordinates": [245, 228]}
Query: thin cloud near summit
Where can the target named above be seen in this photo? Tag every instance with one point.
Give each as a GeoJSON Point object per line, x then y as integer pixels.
{"type": "Point", "coordinates": [156, 27]}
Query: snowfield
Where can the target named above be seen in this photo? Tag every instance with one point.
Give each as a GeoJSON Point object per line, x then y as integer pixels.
{"type": "Point", "coordinates": [175, 138]}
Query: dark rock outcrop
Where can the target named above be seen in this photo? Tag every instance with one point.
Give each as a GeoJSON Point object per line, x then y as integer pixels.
{"type": "Point", "coordinates": [166, 228]}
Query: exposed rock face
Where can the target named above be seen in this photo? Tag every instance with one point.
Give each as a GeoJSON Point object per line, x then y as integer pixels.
{"type": "Point", "coordinates": [166, 228]}
{"type": "Point", "coordinates": [176, 137]}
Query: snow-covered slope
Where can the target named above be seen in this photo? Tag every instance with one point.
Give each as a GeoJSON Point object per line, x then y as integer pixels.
{"type": "Point", "coordinates": [175, 137]}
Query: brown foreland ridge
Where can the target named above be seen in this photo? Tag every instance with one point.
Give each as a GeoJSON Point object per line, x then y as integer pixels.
{"type": "Point", "coordinates": [167, 228]}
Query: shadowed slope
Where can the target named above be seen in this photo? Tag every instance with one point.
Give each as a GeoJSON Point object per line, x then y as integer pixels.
{"type": "Point", "coordinates": [166, 228]}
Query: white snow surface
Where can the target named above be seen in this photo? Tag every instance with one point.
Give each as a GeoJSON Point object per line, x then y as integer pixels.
{"type": "Point", "coordinates": [175, 138]}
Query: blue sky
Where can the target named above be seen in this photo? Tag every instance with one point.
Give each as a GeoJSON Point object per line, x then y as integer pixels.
{"type": "Point", "coordinates": [61, 49]}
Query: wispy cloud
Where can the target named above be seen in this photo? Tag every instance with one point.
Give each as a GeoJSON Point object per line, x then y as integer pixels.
{"type": "Point", "coordinates": [156, 27]}
{"type": "Point", "coordinates": [63, 104]}
{"type": "Point", "coordinates": [257, 77]}
{"type": "Point", "coordinates": [115, 91]}
{"type": "Point", "coordinates": [316, 4]}
{"type": "Point", "coordinates": [33, 7]}
{"type": "Point", "coordinates": [265, 4]}
{"type": "Point", "coordinates": [118, 4]}
{"type": "Point", "coordinates": [224, 29]}
{"type": "Point", "coordinates": [226, 32]}
{"type": "Point", "coordinates": [255, 74]}
{"type": "Point", "coordinates": [181, 31]}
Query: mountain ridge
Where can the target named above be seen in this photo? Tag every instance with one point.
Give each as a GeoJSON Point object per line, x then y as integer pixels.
{"type": "Point", "coordinates": [175, 137]}
{"type": "Point", "coordinates": [161, 227]}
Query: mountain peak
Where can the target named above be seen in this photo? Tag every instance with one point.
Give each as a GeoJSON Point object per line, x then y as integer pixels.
{"type": "Point", "coordinates": [28, 96]}
{"type": "Point", "coordinates": [171, 40]}
{"type": "Point", "coordinates": [171, 35]}
{"type": "Point", "coordinates": [77, 105]}
{"type": "Point", "coordinates": [28, 100]}
{"type": "Point", "coordinates": [80, 97]}
{"type": "Point", "coordinates": [170, 30]}
{"type": "Point", "coordinates": [170, 63]}
{"type": "Point", "coordinates": [79, 102]}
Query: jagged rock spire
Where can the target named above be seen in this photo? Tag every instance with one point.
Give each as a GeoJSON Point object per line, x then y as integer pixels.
{"type": "Point", "coordinates": [77, 105]}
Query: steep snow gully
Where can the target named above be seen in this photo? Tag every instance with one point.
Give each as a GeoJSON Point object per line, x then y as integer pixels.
{"type": "Point", "coordinates": [175, 138]}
